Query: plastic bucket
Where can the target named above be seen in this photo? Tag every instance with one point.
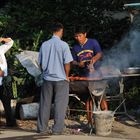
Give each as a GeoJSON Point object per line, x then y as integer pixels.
{"type": "Point", "coordinates": [103, 122]}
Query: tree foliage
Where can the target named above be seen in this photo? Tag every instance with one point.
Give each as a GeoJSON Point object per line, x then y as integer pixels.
{"type": "Point", "coordinates": [25, 20]}
{"type": "Point", "coordinates": [28, 23]}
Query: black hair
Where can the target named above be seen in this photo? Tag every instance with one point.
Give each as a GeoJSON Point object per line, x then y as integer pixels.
{"type": "Point", "coordinates": [80, 29]}
{"type": "Point", "coordinates": [55, 27]}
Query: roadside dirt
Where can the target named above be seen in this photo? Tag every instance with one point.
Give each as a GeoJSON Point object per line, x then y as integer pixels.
{"type": "Point", "coordinates": [122, 127]}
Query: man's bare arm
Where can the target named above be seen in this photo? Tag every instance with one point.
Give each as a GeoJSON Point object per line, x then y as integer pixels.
{"type": "Point", "coordinates": [97, 57]}
{"type": "Point", "coordinates": [8, 43]}
{"type": "Point", "coordinates": [6, 40]}
{"type": "Point", "coordinates": [67, 70]}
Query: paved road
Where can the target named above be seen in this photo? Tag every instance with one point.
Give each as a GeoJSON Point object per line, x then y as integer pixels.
{"type": "Point", "coordinates": [6, 134]}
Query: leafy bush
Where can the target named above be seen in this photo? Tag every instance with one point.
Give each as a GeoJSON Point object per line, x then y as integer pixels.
{"type": "Point", "coordinates": [28, 23]}
{"type": "Point", "coordinates": [133, 97]}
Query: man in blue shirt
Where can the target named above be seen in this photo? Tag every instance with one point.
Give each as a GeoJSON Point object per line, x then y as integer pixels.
{"type": "Point", "coordinates": [54, 59]}
{"type": "Point", "coordinates": [87, 55]}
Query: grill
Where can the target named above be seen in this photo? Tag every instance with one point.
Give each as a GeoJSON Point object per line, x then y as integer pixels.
{"type": "Point", "coordinates": [85, 87]}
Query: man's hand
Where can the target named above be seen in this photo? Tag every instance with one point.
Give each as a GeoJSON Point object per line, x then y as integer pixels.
{"type": "Point", "coordinates": [91, 68]}
{"type": "Point", "coordinates": [97, 57]}
{"type": "Point", "coordinates": [1, 73]}
{"type": "Point", "coordinates": [92, 61]}
{"type": "Point", "coordinates": [6, 40]}
{"type": "Point", "coordinates": [81, 64]}
{"type": "Point", "coordinates": [1, 39]}
{"type": "Point", "coordinates": [67, 78]}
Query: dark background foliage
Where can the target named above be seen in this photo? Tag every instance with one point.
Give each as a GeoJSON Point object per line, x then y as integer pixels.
{"type": "Point", "coordinates": [24, 20]}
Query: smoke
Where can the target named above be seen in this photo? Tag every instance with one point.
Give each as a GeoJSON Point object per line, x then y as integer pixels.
{"type": "Point", "coordinates": [126, 53]}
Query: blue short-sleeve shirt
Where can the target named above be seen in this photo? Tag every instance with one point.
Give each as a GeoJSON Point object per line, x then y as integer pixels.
{"type": "Point", "coordinates": [53, 54]}
{"type": "Point", "coordinates": [87, 51]}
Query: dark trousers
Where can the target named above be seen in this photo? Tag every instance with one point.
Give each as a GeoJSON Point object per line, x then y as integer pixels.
{"type": "Point", "coordinates": [6, 101]}
{"type": "Point", "coordinates": [60, 91]}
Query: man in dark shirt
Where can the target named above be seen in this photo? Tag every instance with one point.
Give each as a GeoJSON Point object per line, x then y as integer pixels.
{"type": "Point", "coordinates": [87, 55]}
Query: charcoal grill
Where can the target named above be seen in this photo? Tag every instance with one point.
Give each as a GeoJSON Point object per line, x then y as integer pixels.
{"type": "Point", "coordinates": [82, 87]}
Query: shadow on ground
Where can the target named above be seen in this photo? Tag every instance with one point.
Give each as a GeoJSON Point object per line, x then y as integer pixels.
{"type": "Point", "coordinates": [129, 122]}
{"type": "Point", "coordinates": [33, 136]}
{"type": "Point", "coordinates": [29, 137]}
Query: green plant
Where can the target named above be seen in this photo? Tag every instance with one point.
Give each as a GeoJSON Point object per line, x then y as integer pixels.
{"type": "Point", "coordinates": [133, 97]}
{"type": "Point", "coordinates": [37, 40]}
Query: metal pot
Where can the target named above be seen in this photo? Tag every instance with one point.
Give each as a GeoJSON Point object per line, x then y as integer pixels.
{"type": "Point", "coordinates": [132, 70]}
